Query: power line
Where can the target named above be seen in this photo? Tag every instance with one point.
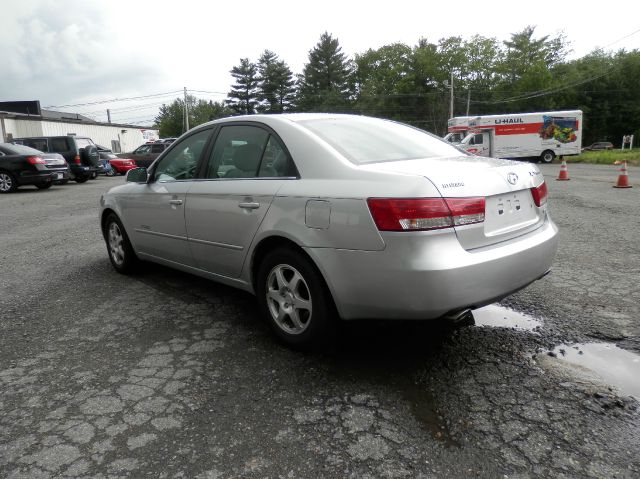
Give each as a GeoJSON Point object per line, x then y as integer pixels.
{"type": "Point", "coordinates": [101, 102]}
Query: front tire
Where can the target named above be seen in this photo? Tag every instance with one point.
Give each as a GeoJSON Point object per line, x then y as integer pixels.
{"type": "Point", "coordinates": [8, 182]}
{"type": "Point", "coordinates": [547, 156]}
{"type": "Point", "coordinates": [121, 254]}
{"type": "Point", "coordinates": [294, 299]}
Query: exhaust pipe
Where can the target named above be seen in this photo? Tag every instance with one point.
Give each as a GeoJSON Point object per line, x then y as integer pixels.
{"type": "Point", "coordinates": [459, 317]}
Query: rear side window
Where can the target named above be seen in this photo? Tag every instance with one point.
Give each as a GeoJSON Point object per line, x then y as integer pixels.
{"type": "Point", "coordinates": [157, 148]}
{"type": "Point", "coordinates": [59, 145]}
{"type": "Point", "coordinates": [237, 152]}
{"type": "Point", "coordinates": [39, 144]}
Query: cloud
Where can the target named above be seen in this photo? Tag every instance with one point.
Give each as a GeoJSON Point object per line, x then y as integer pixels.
{"type": "Point", "coordinates": [60, 52]}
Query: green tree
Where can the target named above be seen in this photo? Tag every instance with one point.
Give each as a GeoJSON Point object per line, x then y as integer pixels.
{"type": "Point", "coordinates": [325, 83]}
{"type": "Point", "coordinates": [276, 85]}
{"type": "Point", "coordinates": [170, 119]}
{"type": "Point", "coordinates": [244, 93]}
{"type": "Point", "coordinates": [527, 69]}
{"type": "Point", "coordinates": [384, 81]}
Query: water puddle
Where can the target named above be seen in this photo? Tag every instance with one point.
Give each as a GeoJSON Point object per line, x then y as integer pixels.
{"type": "Point", "coordinates": [617, 367]}
{"type": "Point", "coordinates": [497, 316]}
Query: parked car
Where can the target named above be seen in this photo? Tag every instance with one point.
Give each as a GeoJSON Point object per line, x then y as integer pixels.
{"type": "Point", "coordinates": [21, 165]}
{"type": "Point", "coordinates": [145, 154]}
{"type": "Point", "coordinates": [324, 216]}
{"type": "Point", "coordinates": [79, 152]}
{"type": "Point", "coordinates": [599, 145]}
{"type": "Point", "coordinates": [119, 165]}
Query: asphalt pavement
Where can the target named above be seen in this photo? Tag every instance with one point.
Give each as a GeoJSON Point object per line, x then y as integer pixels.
{"type": "Point", "coordinates": [167, 375]}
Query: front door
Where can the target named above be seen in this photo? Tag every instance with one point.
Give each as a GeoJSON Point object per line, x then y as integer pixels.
{"type": "Point", "coordinates": [155, 210]}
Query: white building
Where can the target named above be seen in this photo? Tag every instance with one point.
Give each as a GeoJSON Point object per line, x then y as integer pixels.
{"type": "Point", "coordinates": [25, 118]}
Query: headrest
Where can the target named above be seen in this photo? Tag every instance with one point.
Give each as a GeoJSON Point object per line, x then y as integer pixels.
{"type": "Point", "coordinates": [247, 157]}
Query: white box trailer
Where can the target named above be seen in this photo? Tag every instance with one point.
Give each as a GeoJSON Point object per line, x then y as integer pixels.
{"type": "Point", "coordinates": [540, 136]}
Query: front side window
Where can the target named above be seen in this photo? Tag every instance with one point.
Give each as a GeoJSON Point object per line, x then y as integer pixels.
{"type": "Point", "coordinates": [476, 140]}
{"type": "Point", "coordinates": [181, 163]}
{"type": "Point", "coordinates": [142, 149]}
{"type": "Point", "coordinates": [157, 148]}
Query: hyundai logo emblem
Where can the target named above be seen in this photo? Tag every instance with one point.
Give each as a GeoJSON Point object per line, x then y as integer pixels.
{"type": "Point", "coordinates": [512, 178]}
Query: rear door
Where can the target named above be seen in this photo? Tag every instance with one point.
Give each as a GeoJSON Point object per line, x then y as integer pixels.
{"type": "Point", "coordinates": [245, 169]}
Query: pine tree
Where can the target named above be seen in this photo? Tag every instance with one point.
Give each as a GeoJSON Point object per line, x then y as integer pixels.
{"type": "Point", "coordinates": [243, 95]}
{"type": "Point", "coordinates": [326, 82]}
{"type": "Point", "coordinates": [276, 86]}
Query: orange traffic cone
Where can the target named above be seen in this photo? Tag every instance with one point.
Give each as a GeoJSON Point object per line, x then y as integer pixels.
{"type": "Point", "coordinates": [564, 173]}
{"type": "Point", "coordinates": [623, 178]}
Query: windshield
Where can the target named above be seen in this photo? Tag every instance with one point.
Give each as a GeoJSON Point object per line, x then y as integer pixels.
{"type": "Point", "coordinates": [370, 140]}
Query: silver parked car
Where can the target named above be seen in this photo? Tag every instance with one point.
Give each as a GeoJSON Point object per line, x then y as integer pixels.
{"type": "Point", "coordinates": [324, 216]}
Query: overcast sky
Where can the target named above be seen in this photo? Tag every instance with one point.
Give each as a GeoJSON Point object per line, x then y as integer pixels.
{"type": "Point", "coordinates": [73, 51]}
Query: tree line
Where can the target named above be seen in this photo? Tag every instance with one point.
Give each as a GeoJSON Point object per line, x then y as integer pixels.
{"type": "Point", "coordinates": [413, 84]}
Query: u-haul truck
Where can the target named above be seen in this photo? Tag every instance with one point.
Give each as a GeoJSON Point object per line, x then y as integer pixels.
{"type": "Point", "coordinates": [541, 136]}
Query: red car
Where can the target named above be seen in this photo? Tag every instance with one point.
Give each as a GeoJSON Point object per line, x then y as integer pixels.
{"type": "Point", "coordinates": [119, 165]}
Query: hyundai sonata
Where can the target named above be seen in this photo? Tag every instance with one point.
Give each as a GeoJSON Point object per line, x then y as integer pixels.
{"type": "Point", "coordinates": [324, 216]}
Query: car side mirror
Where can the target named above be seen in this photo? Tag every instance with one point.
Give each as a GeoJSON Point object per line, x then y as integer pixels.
{"type": "Point", "coordinates": [137, 175]}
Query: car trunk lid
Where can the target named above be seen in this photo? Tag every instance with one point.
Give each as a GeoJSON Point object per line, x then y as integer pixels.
{"type": "Point", "coordinates": [510, 209]}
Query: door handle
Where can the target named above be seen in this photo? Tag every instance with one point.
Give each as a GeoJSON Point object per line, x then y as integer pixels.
{"type": "Point", "coordinates": [175, 202]}
{"type": "Point", "coordinates": [250, 205]}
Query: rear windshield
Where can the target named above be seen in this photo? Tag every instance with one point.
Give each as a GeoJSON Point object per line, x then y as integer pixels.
{"type": "Point", "coordinates": [20, 150]}
{"type": "Point", "coordinates": [369, 140]}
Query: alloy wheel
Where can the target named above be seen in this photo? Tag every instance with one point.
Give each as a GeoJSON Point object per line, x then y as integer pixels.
{"type": "Point", "coordinates": [289, 299]}
{"type": "Point", "coordinates": [116, 243]}
{"type": "Point", "coordinates": [6, 182]}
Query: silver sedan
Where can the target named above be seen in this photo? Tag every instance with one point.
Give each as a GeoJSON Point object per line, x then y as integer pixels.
{"type": "Point", "coordinates": [326, 216]}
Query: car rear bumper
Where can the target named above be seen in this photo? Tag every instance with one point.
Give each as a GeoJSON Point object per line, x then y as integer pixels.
{"type": "Point", "coordinates": [83, 170]}
{"type": "Point", "coordinates": [426, 276]}
{"type": "Point", "coordinates": [31, 178]}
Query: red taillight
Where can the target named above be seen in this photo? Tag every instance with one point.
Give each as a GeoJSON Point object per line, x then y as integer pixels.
{"type": "Point", "coordinates": [35, 160]}
{"type": "Point", "coordinates": [77, 160]}
{"type": "Point", "coordinates": [539, 194]}
{"type": "Point", "coordinates": [415, 214]}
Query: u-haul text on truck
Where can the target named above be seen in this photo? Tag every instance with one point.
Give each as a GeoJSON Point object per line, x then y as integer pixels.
{"type": "Point", "coordinates": [541, 136]}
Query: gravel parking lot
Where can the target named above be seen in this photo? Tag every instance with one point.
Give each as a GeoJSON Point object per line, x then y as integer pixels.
{"type": "Point", "coordinates": [168, 375]}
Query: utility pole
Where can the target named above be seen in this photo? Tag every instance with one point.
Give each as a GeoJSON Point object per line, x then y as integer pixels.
{"type": "Point", "coordinates": [468, 100]}
{"type": "Point", "coordinates": [108, 115]}
{"type": "Point", "coordinates": [186, 111]}
{"type": "Point", "coordinates": [451, 104]}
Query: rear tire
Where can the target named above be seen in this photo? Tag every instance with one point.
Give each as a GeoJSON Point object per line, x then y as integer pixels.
{"type": "Point", "coordinates": [8, 182]}
{"type": "Point", "coordinates": [81, 179]}
{"type": "Point", "coordinates": [44, 186]}
{"type": "Point", "coordinates": [294, 299]}
{"type": "Point", "coordinates": [547, 156]}
{"type": "Point", "coordinates": [121, 254]}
